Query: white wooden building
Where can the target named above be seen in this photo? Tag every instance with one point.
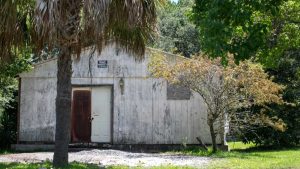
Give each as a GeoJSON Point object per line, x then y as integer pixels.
{"type": "Point", "coordinates": [114, 101]}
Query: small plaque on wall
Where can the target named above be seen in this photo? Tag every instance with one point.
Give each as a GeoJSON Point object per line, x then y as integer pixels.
{"type": "Point", "coordinates": [102, 64]}
{"type": "Point", "coordinates": [175, 92]}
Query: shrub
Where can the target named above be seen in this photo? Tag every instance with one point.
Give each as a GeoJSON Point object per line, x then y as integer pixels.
{"type": "Point", "coordinates": [8, 124]}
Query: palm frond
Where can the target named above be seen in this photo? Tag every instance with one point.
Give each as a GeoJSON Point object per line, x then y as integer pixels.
{"type": "Point", "coordinates": [9, 29]}
{"type": "Point", "coordinates": [128, 23]}
{"type": "Point", "coordinates": [57, 22]}
{"type": "Point", "coordinates": [131, 24]}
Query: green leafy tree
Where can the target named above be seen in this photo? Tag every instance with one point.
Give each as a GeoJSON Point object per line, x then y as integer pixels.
{"type": "Point", "coordinates": [8, 123]}
{"type": "Point", "coordinates": [69, 25]}
{"type": "Point", "coordinates": [238, 27]}
{"type": "Point", "coordinates": [8, 81]}
{"type": "Point", "coordinates": [8, 97]}
{"type": "Point", "coordinates": [269, 33]}
{"type": "Point", "coordinates": [284, 35]}
{"type": "Point", "coordinates": [177, 34]}
{"type": "Point", "coordinates": [287, 73]}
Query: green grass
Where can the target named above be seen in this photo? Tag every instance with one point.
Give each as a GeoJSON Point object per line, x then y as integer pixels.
{"type": "Point", "coordinates": [241, 156]}
{"type": "Point", "coordinates": [46, 165]}
{"type": "Point", "coordinates": [251, 157]}
{"type": "Point", "coordinates": [260, 158]}
{"type": "Point", "coordinates": [159, 167]}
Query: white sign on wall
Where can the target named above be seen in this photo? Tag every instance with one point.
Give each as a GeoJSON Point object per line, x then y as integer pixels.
{"type": "Point", "coordinates": [102, 64]}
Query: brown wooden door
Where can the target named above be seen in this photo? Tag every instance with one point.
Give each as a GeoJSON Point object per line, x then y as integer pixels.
{"type": "Point", "coordinates": [81, 115]}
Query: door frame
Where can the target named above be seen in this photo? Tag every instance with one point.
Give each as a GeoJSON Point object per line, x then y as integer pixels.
{"type": "Point", "coordinates": [89, 87]}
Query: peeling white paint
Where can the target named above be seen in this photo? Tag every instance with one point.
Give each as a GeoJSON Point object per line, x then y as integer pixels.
{"type": "Point", "coordinates": [142, 115]}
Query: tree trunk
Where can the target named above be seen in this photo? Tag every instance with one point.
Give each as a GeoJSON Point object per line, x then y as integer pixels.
{"type": "Point", "coordinates": [63, 107]}
{"type": "Point", "coordinates": [213, 137]}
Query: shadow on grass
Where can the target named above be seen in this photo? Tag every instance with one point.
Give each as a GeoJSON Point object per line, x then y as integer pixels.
{"type": "Point", "coordinates": [46, 165]}
{"type": "Point", "coordinates": [6, 152]}
{"type": "Point", "coordinates": [267, 149]}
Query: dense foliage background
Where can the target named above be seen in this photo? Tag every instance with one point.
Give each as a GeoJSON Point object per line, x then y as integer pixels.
{"type": "Point", "coordinates": [177, 34]}
{"type": "Point", "coordinates": [287, 73]}
{"type": "Point", "coordinates": [8, 97]}
{"type": "Point", "coordinates": [268, 32]}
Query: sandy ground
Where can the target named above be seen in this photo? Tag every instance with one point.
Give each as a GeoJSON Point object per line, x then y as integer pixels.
{"type": "Point", "coordinates": [112, 157]}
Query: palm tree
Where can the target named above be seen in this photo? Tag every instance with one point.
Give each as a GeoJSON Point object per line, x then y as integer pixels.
{"type": "Point", "coordinates": [68, 25]}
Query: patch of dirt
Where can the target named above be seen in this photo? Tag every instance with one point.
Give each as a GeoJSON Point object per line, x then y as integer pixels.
{"type": "Point", "coordinates": [112, 157]}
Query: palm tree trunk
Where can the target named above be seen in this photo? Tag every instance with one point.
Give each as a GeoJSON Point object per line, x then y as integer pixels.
{"type": "Point", "coordinates": [63, 107]}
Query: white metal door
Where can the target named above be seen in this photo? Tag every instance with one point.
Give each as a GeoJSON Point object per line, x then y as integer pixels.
{"type": "Point", "coordinates": [101, 114]}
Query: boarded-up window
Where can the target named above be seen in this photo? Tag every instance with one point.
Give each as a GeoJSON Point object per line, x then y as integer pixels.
{"type": "Point", "coordinates": [176, 92]}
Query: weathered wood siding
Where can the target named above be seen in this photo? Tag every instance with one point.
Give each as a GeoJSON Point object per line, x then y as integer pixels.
{"type": "Point", "coordinates": [142, 115]}
{"type": "Point", "coordinates": [37, 104]}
